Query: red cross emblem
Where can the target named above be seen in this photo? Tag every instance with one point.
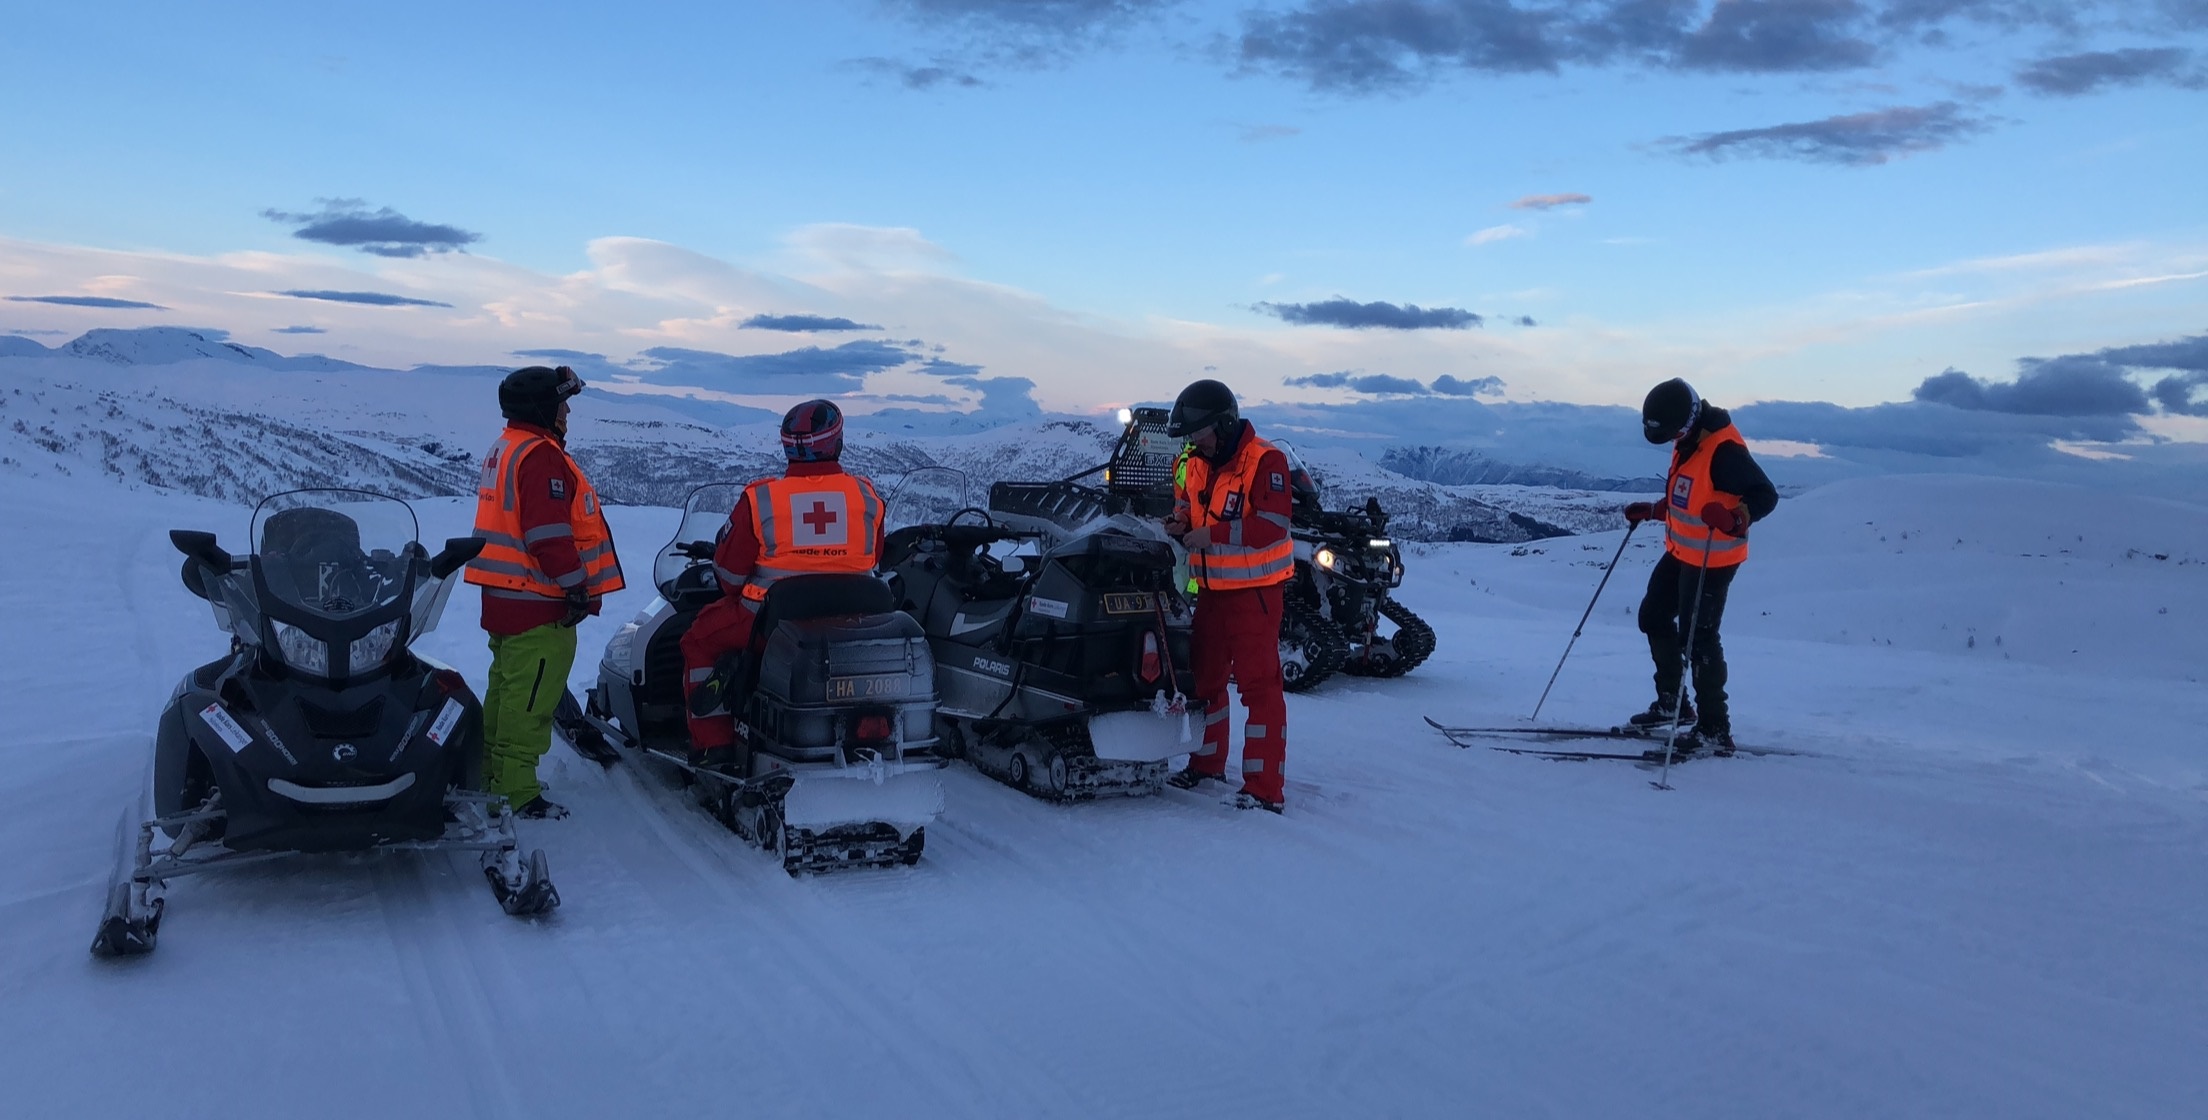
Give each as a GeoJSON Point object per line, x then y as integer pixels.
{"type": "Point", "coordinates": [819, 518]}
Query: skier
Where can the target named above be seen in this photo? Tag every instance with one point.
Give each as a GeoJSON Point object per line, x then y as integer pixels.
{"type": "Point", "coordinates": [547, 564]}
{"type": "Point", "coordinates": [1713, 492]}
{"type": "Point", "coordinates": [815, 518]}
{"type": "Point", "coordinates": [1231, 511]}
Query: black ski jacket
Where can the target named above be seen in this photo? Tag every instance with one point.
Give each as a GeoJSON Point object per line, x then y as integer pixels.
{"type": "Point", "coordinates": [1732, 469]}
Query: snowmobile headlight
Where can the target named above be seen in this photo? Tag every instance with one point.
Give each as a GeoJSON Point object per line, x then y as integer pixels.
{"type": "Point", "coordinates": [1379, 542]}
{"type": "Point", "coordinates": [1325, 558]}
{"type": "Point", "coordinates": [620, 646]}
{"type": "Point", "coordinates": [1126, 417]}
{"type": "Point", "coordinates": [302, 651]}
{"type": "Point", "coordinates": [372, 648]}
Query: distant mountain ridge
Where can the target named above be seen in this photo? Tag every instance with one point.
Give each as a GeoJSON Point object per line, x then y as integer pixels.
{"type": "Point", "coordinates": [1455, 466]}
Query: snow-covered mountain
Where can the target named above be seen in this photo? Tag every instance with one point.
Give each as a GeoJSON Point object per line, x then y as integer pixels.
{"type": "Point", "coordinates": [189, 411]}
{"type": "Point", "coordinates": [1458, 466]}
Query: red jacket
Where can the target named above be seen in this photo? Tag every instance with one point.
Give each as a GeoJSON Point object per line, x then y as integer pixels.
{"type": "Point", "coordinates": [738, 553]}
{"type": "Point", "coordinates": [542, 503]}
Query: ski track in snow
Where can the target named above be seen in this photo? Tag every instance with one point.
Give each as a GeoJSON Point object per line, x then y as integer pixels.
{"type": "Point", "coordinates": [1982, 896]}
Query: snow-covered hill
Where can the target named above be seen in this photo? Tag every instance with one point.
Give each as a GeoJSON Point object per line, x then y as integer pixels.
{"type": "Point", "coordinates": [185, 410]}
{"type": "Point", "coordinates": [1979, 892]}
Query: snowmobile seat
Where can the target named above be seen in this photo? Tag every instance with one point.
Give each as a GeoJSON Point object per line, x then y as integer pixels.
{"type": "Point", "coordinates": [798, 598]}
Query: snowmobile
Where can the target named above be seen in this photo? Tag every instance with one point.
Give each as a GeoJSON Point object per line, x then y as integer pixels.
{"type": "Point", "coordinates": [1346, 565]}
{"type": "Point", "coordinates": [321, 730]}
{"type": "Point", "coordinates": [1060, 638]}
{"type": "Point", "coordinates": [835, 761]}
{"type": "Point", "coordinates": [1347, 569]}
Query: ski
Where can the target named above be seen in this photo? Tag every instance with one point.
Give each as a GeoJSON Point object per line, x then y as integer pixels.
{"type": "Point", "coordinates": [1655, 735]}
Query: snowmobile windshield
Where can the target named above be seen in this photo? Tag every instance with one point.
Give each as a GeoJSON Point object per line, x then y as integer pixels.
{"type": "Point", "coordinates": [927, 496]}
{"type": "Point", "coordinates": [704, 521]}
{"type": "Point", "coordinates": [334, 554]}
{"type": "Point", "coordinates": [1301, 480]}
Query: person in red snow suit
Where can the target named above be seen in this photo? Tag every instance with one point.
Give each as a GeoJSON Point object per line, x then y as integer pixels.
{"type": "Point", "coordinates": [813, 519]}
{"type": "Point", "coordinates": [1232, 511]}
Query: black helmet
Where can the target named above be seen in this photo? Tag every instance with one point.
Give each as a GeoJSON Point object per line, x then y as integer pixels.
{"type": "Point", "coordinates": [1204, 404]}
{"type": "Point", "coordinates": [1670, 410]}
{"type": "Point", "coordinates": [813, 432]}
{"type": "Point", "coordinates": [533, 394]}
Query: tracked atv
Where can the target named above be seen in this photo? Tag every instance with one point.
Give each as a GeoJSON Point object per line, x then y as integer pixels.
{"type": "Point", "coordinates": [321, 730]}
{"type": "Point", "coordinates": [1060, 639]}
{"type": "Point", "coordinates": [835, 764]}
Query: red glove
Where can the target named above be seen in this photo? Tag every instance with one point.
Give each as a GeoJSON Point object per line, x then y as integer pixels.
{"type": "Point", "coordinates": [1731, 522]}
{"type": "Point", "coordinates": [1643, 511]}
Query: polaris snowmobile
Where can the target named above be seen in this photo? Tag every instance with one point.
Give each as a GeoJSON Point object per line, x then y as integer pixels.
{"type": "Point", "coordinates": [1347, 569]}
{"type": "Point", "coordinates": [1060, 639]}
{"type": "Point", "coordinates": [835, 762]}
{"type": "Point", "coordinates": [321, 730]}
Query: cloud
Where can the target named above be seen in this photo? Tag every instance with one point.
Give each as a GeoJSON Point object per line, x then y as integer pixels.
{"type": "Point", "coordinates": [2094, 384]}
{"type": "Point", "coordinates": [1497, 233]}
{"type": "Point", "coordinates": [836, 369]}
{"type": "Point", "coordinates": [1551, 201]}
{"type": "Point", "coordinates": [2073, 75]}
{"type": "Point", "coordinates": [915, 76]}
{"type": "Point", "coordinates": [1773, 37]}
{"type": "Point", "coordinates": [91, 301]}
{"type": "Point", "coordinates": [804, 323]}
{"type": "Point", "coordinates": [1373, 384]}
{"type": "Point", "coordinates": [1021, 33]}
{"type": "Point", "coordinates": [1525, 321]}
{"type": "Point", "coordinates": [1451, 386]}
{"type": "Point", "coordinates": [299, 330]}
{"type": "Point", "coordinates": [372, 299]}
{"type": "Point", "coordinates": [386, 232]}
{"type": "Point", "coordinates": [1341, 312]}
{"type": "Point", "coordinates": [557, 355]}
{"type": "Point", "coordinates": [1857, 139]}
{"type": "Point", "coordinates": [1367, 46]}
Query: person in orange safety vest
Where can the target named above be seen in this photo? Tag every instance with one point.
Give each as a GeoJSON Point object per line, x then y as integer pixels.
{"type": "Point", "coordinates": [1713, 492]}
{"type": "Point", "coordinates": [1232, 512]}
{"type": "Point", "coordinates": [813, 519]}
{"type": "Point", "coordinates": [547, 563]}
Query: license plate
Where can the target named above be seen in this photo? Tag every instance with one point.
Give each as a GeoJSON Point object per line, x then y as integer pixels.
{"type": "Point", "coordinates": [867, 688]}
{"type": "Point", "coordinates": [1127, 602]}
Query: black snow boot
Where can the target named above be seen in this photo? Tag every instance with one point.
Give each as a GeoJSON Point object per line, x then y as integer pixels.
{"type": "Point", "coordinates": [1244, 799]}
{"type": "Point", "coordinates": [539, 809]}
{"type": "Point", "coordinates": [1708, 736]}
{"type": "Point", "coordinates": [1188, 777]}
{"type": "Point", "coordinates": [711, 758]}
{"type": "Point", "coordinates": [1659, 713]}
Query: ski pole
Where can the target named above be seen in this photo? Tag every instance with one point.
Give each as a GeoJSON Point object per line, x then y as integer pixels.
{"type": "Point", "coordinates": [1630, 526]}
{"type": "Point", "coordinates": [1694, 622]}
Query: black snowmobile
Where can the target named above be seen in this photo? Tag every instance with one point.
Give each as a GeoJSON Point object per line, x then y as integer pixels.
{"type": "Point", "coordinates": [1347, 569]}
{"type": "Point", "coordinates": [321, 731]}
{"type": "Point", "coordinates": [1060, 638]}
{"type": "Point", "coordinates": [835, 761]}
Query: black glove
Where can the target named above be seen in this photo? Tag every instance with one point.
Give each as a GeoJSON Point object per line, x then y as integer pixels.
{"type": "Point", "coordinates": [578, 606]}
{"type": "Point", "coordinates": [1643, 511]}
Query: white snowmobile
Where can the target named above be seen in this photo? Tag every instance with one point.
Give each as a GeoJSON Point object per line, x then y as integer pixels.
{"type": "Point", "coordinates": [321, 731]}
{"type": "Point", "coordinates": [834, 765]}
{"type": "Point", "coordinates": [1060, 637]}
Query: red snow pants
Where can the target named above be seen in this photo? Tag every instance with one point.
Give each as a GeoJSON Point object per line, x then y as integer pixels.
{"type": "Point", "coordinates": [723, 627]}
{"type": "Point", "coordinates": [1237, 637]}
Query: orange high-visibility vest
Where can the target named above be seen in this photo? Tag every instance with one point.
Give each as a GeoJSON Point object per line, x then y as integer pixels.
{"type": "Point", "coordinates": [1685, 536]}
{"type": "Point", "coordinates": [504, 568]}
{"type": "Point", "coordinates": [1221, 495]}
{"type": "Point", "coordinates": [808, 525]}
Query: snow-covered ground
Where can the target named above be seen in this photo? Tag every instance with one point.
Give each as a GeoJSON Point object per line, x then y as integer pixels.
{"type": "Point", "coordinates": [1983, 893]}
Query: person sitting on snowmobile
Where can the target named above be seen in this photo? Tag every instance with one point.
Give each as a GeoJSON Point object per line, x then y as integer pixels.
{"type": "Point", "coordinates": [1714, 490]}
{"type": "Point", "coordinates": [813, 519]}
{"type": "Point", "coordinates": [1231, 510]}
{"type": "Point", "coordinates": [546, 564]}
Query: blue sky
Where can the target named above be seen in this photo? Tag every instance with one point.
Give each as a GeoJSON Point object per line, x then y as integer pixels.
{"type": "Point", "coordinates": [1785, 200]}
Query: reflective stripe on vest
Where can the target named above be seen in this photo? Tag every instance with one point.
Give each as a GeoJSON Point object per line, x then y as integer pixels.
{"type": "Point", "coordinates": [805, 526]}
{"type": "Point", "coordinates": [505, 569]}
{"type": "Point", "coordinates": [1224, 498]}
{"type": "Point", "coordinates": [1689, 489]}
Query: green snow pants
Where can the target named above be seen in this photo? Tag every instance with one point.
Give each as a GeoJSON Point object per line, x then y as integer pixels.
{"type": "Point", "coordinates": [528, 677]}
